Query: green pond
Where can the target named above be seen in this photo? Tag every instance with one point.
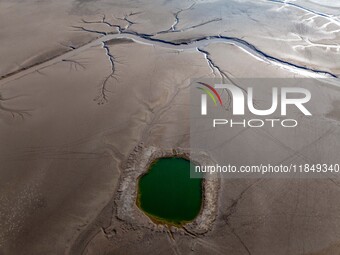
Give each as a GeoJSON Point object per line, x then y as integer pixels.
{"type": "Point", "coordinates": [167, 194]}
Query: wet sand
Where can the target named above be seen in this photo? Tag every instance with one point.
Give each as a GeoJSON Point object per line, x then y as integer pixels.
{"type": "Point", "coordinates": [83, 83]}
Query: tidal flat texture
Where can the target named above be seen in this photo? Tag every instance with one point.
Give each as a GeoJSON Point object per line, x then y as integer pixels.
{"type": "Point", "coordinates": [84, 82]}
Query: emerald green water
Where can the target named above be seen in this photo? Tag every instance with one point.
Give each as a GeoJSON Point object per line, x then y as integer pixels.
{"type": "Point", "coordinates": [168, 194]}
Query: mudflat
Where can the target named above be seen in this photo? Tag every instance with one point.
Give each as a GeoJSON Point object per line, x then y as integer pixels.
{"type": "Point", "coordinates": [84, 84]}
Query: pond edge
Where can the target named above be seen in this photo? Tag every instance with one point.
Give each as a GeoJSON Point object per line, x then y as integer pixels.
{"type": "Point", "coordinates": [138, 164]}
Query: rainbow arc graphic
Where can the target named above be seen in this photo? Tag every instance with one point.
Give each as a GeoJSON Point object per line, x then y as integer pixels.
{"type": "Point", "coordinates": [212, 93]}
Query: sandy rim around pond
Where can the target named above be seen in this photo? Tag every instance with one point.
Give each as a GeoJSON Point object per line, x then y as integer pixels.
{"type": "Point", "coordinates": [138, 164]}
